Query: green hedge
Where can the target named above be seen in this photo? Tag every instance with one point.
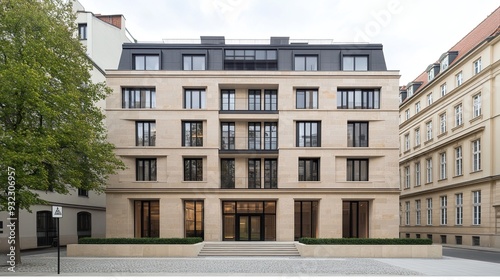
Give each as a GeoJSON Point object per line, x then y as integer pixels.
{"type": "Point", "coordinates": [365, 241]}
{"type": "Point", "coordinates": [189, 240]}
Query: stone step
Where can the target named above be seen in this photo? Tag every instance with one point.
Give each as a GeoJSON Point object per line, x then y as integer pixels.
{"type": "Point", "coordinates": [249, 249]}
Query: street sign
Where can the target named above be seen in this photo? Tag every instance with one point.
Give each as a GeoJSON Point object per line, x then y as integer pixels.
{"type": "Point", "coordinates": [57, 212]}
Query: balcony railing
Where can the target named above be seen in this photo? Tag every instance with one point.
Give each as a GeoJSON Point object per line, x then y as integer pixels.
{"type": "Point", "coordinates": [247, 105]}
{"type": "Point", "coordinates": [262, 182]}
{"type": "Point", "coordinates": [249, 144]}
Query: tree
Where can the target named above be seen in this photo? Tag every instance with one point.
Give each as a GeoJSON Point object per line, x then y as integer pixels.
{"type": "Point", "coordinates": [52, 134]}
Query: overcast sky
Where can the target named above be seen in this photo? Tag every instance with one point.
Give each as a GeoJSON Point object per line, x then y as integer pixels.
{"type": "Point", "coordinates": [414, 32]}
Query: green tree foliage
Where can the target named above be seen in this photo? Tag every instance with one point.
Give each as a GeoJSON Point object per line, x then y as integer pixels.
{"type": "Point", "coordinates": [51, 131]}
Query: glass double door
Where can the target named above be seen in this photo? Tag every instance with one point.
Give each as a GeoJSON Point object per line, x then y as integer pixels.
{"type": "Point", "coordinates": [249, 227]}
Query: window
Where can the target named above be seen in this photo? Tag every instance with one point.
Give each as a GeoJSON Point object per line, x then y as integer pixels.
{"type": "Point", "coordinates": [82, 31]}
{"type": "Point", "coordinates": [428, 173]}
{"type": "Point", "coordinates": [227, 173]}
{"type": "Point", "coordinates": [145, 133]}
{"type": "Point", "coordinates": [442, 123]}
{"type": "Point", "coordinates": [308, 169]}
{"type": "Point", "coordinates": [407, 213]}
{"type": "Point", "coordinates": [194, 99]}
{"type": "Point", "coordinates": [270, 136]}
{"type": "Point", "coordinates": [227, 136]}
{"type": "Point", "coordinates": [458, 240]}
{"type": "Point", "coordinates": [192, 134]}
{"type": "Point", "coordinates": [442, 166]}
{"type": "Point", "coordinates": [458, 161]}
{"type": "Point", "coordinates": [417, 107]}
{"type": "Point", "coordinates": [270, 100]}
{"type": "Point", "coordinates": [308, 134]}
{"type": "Point", "coordinates": [249, 220]}
{"type": "Point", "coordinates": [430, 74]}
{"type": "Point", "coordinates": [476, 155]}
{"type": "Point", "coordinates": [407, 177]}
{"type": "Point", "coordinates": [146, 169]}
{"type": "Point", "coordinates": [429, 211]}
{"type": "Point", "coordinates": [227, 100]}
{"type": "Point", "coordinates": [193, 62]}
{"type": "Point", "coordinates": [193, 218]}
{"type": "Point", "coordinates": [307, 99]}
{"type": "Point", "coordinates": [429, 99]}
{"type": "Point", "coordinates": [355, 219]}
{"type": "Point", "coordinates": [46, 228]}
{"type": "Point", "coordinates": [147, 62]}
{"type": "Point", "coordinates": [443, 212]}
{"type": "Point", "coordinates": [270, 173]}
{"type": "Point", "coordinates": [306, 63]}
{"type": "Point", "coordinates": [459, 78]}
{"type": "Point", "coordinates": [138, 98]}
{"type": "Point", "coordinates": [254, 136]}
{"type": "Point", "coordinates": [477, 66]}
{"type": "Point", "coordinates": [357, 169]}
{"type": "Point", "coordinates": [358, 99]}
{"type": "Point", "coordinates": [83, 224]}
{"type": "Point", "coordinates": [476, 240]}
{"type": "Point", "coordinates": [357, 134]}
{"type": "Point", "coordinates": [250, 60]}
{"type": "Point", "coordinates": [254, 100]}
{"type": "Point", "coordinates": [305, 219]}
{"type": "Point", "coordinates": [459, 208]}
{"type": "Point", "coordinates": [444, 63]}
{"type": "Point", "coordinates": [428, 126]}
{"type": "Point", "coordinates": [407, 142]}
{"type": "Point", "coordinates": [418, 214]}
{"type": "Point", "coordinates": [193, 169]}
{"type": "Point", "coordinates": [407, 114]}
{"type": "Point", "coordinates": [458, 115]}
{"type": "Point", "coordinates": [417, 174]}
{"type": "Point", "coordinates": [443, 89]}
{"type": "Point", "coordinates": [147, 218]}
{"type": "Point", "coordinates": [82, 192]}
{"type": "Point", "coordinates": [476, 208]}
{"type": "Point", "coordinates": [254, 174]}
{"type": "Point", "coordinates": [355, 63]}
{"type": "Point", "coordinates": [417, 136]}
{"type": "Point", "coordinates": [476, 105]}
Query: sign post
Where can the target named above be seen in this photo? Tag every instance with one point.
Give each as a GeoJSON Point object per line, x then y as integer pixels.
{"type": "Point", "coordinates": [57, 213]}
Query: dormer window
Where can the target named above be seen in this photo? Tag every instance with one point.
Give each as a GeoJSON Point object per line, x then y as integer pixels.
{"type": "Point", "coordinates": [410, 91]}
{"type": "Point", "coordinates": [430, 75]}
{"type": "Point", "coordinates": [355, 63]}
{"type": "Point", "coordinates": [444, 63]}
{"type": "Point", "coordinates": [432, 71]}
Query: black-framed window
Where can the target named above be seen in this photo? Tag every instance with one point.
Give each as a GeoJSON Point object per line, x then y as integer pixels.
{"type": "Point", "coordinates": [254, 172]}
{"type": "Point", "coordinates": [355, 63]}
{"type": "Point", "coordinates": [270, 136]}
{"type": "Point", "coordinates": [250, 60]}
{"type": "Point", "coordinates": [146, 169]}
{"type": "Point", "coordinates": [308, 169]}
{"type": "Point", "coordinates": [46, 229]}
{"type": "Point", "coordinates": [82, 31]}
{"type": "Point", "coordinates": [192, 134]}
{"type": "Point", "coordinates": [254, 136]}
{"type": "Point", "coordinates": [193, 169]}
{"type": "Point", "coordinates": [357, 169]}
{"type": "Point", "coordinates": [227, 173]}
{"type": "Point", "coordinates": [270, 173]}
{"type": "Point", "coordinates": [308, 134]}
{"type": "Point", "coordinates": [306, 99]}
{"type": "Point", "coordinates": [194, 99]}
{"type": "Point", "coordinates": [358, 99]}
{"type": "Point", "coordinates": [194, 218]}
{"type": "Point", "coordinates": [254, 99]}
{"type": "Point", "coordinates": [355, 219]}
{"type": "Point", "coordinates": [357, 134]}
{"type": "Point", "coordinates": [193, 62]}
{"type": "Point", "coordinates": [227, 136]}
{"type": "Point", "coordinates": [84, 224]}
{"type": "Point", "coordinates": [227, 99]}
{"type": "Point", "coordinates": [306, 219]}
{"type": "Point", "coordinates": [306, 63]}
{"type": "Point", "coordinates": [146, 62]}
{"type": "Point", "coordinates": [82, 192]}
{"type": "Point", "coordinates": [147, 218]}
{"type": "Point", "coordinates": [145, 133]}
{"type": "Point", "coordinates": [138, 98]}
{"type": "Point", "coordinates": [270, 100]}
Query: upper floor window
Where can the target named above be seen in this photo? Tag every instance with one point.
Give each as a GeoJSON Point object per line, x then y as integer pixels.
{"type": "Point", "coordinates": [270, 100]}
{"type": "Point", "coordinates": [357, 134]}
{"type": "Point", "coordinates": [442, 166]}
{"type": "Point", "coordinates": [146, 169]}
{"type": "Point", "coordinates": [442, 123]}
{"type": "Point", "coordinates": [417, 107]}
{"type": "Point", "coordinates": [306, 63]}
{"type": "Point", "coordinates": [82, 31]}
{"type": "Point", "coordinates": [458, 115]}
{"type": "Point", "coordinates": [407, 142]}
{"type": "Point", "coordinates": [228, 100]}
{"type": "Point", "coordinates": [417, 174]}
{"type": "Point", "coordinates": [192, 134]}
{"type": "Point", "coordinates": [358, 99]}
{"type": "Point", "coordinates": [145, 133]}
{"type": "Point", "coordinates": [138, 98]}
{"type": "Point", "coordinates": [193, 62]}
{"type": "Point", "coordinates": [227, 136]}
{"type": "Point", "coordinates": [355, 63]}
{"type": "Point", "coordinates": [476, 155]}
{"type": "Point", "coordinates": [308, 169]}
{"type": "Point", "coordinates": [357, 169]}
{"type": "Point", "coordinates": [428, 127]}
{"type": "Point", "coordinates": [459, 78]}
{"type": "Point", "coordinates": [254, 100]}
{"type": "Point", "coordinates": [428, 170]}
{"type": "Point", "coordinates": [477, 66]}
{"type": "Point", "coordinates": [307, 99]}
{"type": "Point", "coordinates": [417, 136]}
{"type": "Point", "coordinates": [82, 192]}
{"type": "Point", "coordinates": [476, 207]}
{"type": "Point", "coordinates": [407, 114]}
{"type": "Point", "coordinates": [430, 74]}
{"type": "Point", "coordinates": [443, 89]}
{"type": "Point", "coordinates": [193, 169]}
{"type": "Point", "coordinates": [407, 177]}
{"type": "Point", "coordinates": [458, 161]}
{"type": "Point", "coordinates": [227, 173]}
{"type": "Point", "coordinates": [445, 63]}
{"type": "Point", "coordinates": [250, 60]}
{"type": "Point", "coordinates": [147, 62]}
{"type": "Point", "coordinates": [308, 134]}
{"type": "Point", "coordinates": [476, 105]}
{"type": "Point", "coordinates": [429, 99]}
{"type": "Point", "coordinates": [194, 99]}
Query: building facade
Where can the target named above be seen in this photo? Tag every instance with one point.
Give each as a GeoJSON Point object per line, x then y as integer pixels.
{"type": "Point", "coordinates": [449, 152]}
{"type": "Point", "coordinates": [259, 141]}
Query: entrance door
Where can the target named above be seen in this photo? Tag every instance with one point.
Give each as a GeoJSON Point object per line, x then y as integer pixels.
{"type": "Point", "coordinates": [249, 228]}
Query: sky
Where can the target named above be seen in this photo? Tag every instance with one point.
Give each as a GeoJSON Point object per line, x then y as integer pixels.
{"type": "Point", "coordinates": [414, 33]}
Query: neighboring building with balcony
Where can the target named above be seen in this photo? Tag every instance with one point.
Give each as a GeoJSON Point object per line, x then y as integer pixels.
{"type": "Point", "coordinates": [449, 139]}
{"type": "Point", "coordinates": [268, 141]}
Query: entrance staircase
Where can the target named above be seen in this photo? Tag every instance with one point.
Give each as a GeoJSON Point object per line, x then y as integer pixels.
{"type": "Point", "coordinates": [255, 249]}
